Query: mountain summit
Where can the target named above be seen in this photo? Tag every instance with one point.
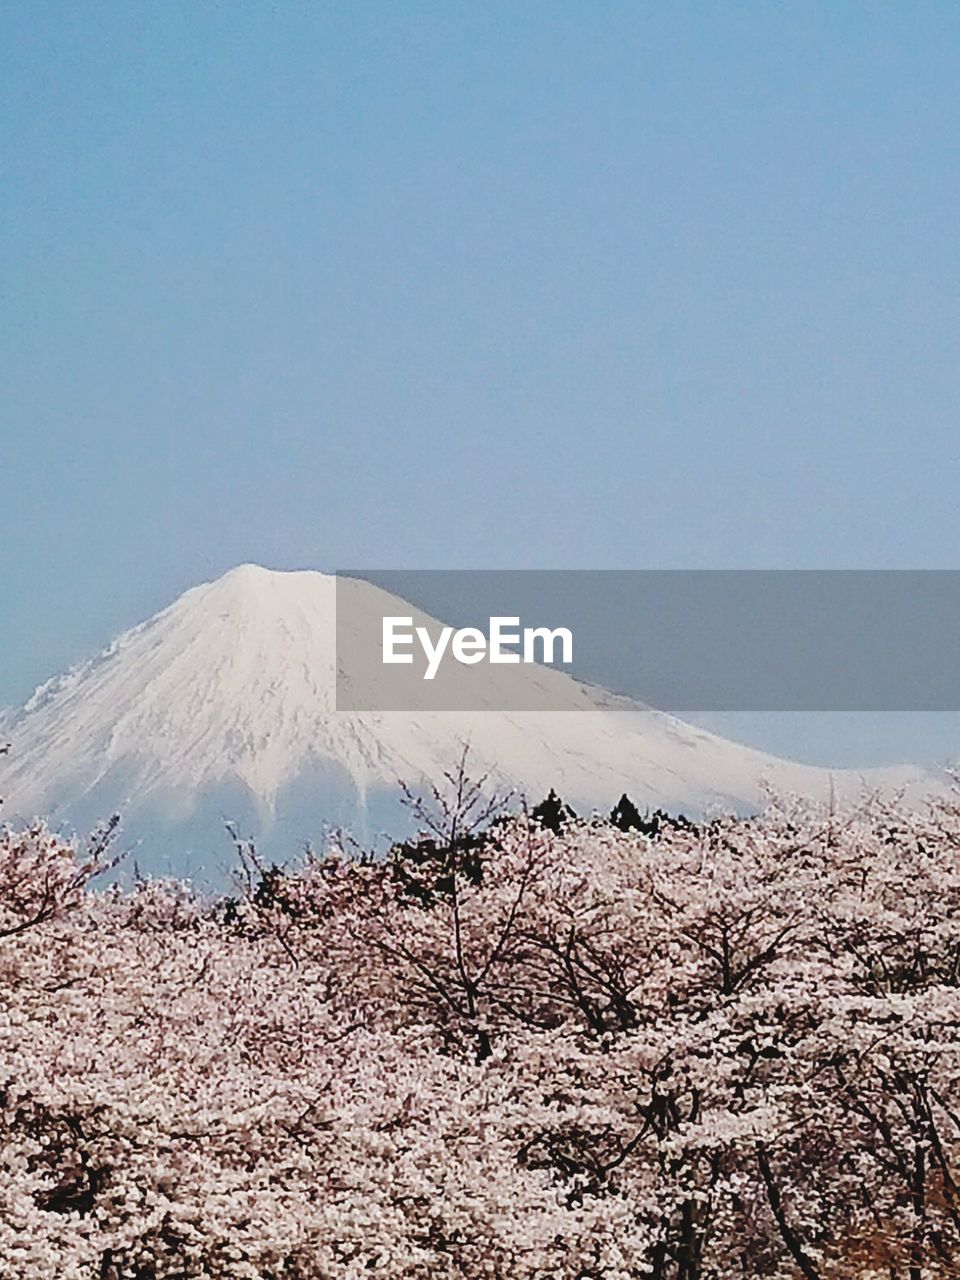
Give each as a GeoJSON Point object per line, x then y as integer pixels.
{"type": "Point", "coordinates": [223, 705]}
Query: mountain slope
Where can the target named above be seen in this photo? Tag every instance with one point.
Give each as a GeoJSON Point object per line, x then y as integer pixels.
{"type": "Point", "coordinates": [224, 703]}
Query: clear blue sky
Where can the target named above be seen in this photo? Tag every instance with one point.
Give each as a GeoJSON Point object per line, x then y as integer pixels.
{"type": "Point", "coordinates": [468, 284]}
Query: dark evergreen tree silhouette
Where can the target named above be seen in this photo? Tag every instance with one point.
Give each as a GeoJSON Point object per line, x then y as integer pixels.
{"type": "Point", "coordinates": [552, 813]}
{"type": "Point", "coordinates": [425, 867]}
{"type": "Point", "coordinates": [627, 817]}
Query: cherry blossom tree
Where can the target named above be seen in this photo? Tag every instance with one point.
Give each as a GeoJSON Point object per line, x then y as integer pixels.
{"type": "Point", "coordinates": [579, 1050]}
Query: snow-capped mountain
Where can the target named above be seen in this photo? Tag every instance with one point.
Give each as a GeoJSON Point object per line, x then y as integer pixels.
{"type": "Point", "coordinates": [223, 705]}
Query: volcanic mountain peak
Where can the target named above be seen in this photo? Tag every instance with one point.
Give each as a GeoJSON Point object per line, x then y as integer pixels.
{"type": "Point", "coordinates": [229, 693]}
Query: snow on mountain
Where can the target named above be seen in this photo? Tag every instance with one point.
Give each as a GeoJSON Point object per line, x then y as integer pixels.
{"type": "Point", "coordinates": [224, 704]}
